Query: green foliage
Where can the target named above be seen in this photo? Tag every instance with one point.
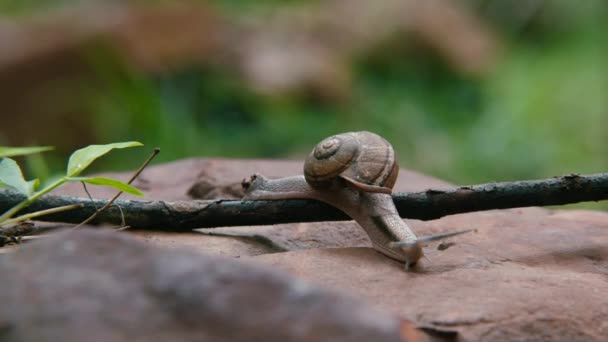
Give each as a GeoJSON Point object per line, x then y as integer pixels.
{"type": "Point", "coordinates": [21, 151]}
{"type": "Point", "coordinates": [82, 158]}
{"type": "Point", "coordinates": [104, 181]}
{"type": "Point", "coordinates": [11, 177]}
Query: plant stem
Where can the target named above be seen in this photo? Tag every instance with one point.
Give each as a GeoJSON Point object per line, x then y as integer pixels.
{"type": "Point", "coordinates": [12, 211]}
{"type": "Point", "coordinates": [42, 213]}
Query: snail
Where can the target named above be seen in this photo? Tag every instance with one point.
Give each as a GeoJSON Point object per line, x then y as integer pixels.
{"type": "Point", "coordinates": [365, 160]}
{"type": "Point", "coordinates": [354, 172]}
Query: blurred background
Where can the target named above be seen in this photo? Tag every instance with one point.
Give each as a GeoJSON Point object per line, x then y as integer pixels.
{"type": "Point", "coordinates": [469, 91]}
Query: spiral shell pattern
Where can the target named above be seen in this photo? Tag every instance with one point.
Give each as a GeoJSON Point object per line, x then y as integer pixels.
{"type": "Point", "coordinates": [364, 159]}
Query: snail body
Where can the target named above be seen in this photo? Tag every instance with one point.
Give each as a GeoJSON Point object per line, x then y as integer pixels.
{"type": "Point", "coordinates": [354, 172]}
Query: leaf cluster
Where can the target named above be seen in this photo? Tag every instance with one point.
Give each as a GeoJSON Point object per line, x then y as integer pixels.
{"type": "Point", "coordinates": [11, 176]}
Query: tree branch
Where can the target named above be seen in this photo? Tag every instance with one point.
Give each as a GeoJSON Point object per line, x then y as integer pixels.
{"type": "Point", "coordinates": [426, 205]}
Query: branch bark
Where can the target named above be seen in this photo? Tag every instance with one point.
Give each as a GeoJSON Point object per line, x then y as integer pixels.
{"type": "Point", "coordinates": [426, 205]}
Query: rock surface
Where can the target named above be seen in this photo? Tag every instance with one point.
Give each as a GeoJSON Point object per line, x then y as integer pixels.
{"type": "Point", "coordinates": [530, 274]}
{"type": "Point", "coordinates": [106, 286]}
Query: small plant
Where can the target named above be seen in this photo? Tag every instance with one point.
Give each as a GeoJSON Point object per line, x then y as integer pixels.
{"type": "Point", "coordinates": [12, 178]}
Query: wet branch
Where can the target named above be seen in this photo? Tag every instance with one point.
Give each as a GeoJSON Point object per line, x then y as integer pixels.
{"type": "Point", "coordinates": [426, 205]}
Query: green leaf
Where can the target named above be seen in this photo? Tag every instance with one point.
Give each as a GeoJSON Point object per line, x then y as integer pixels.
{"type": "Point", "coordinates": [11, 177]}
{"type": "Point", "coordinates": [103, 181]}
{"type": "Point", "coordinates": [20, 151]}
{"type": "Point", "coordinates": [33, 185]}
{"type": "Point", "coordinates": [82, 158]}
{"type": "Point", "coordinates": [6, 186]}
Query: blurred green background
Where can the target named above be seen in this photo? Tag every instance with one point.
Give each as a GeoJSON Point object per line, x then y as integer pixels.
{"type": "Point", "coordinates": [534, 104]}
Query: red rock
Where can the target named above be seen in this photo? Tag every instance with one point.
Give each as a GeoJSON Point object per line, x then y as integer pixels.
{"type": "Point", "coordinates": [526, 274]}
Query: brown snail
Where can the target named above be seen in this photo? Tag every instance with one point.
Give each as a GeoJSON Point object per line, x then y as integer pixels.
{"type": "Point", "coordinates": [364, 159]}
{"type": "Point", "coordinates": [354, 172]}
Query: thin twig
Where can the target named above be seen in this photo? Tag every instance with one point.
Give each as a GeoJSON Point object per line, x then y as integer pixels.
{"type": "Point", "coordinates": [123, 222]}
{"type": "Point", "coordinates": [84, 186]}
{"type": "Point", "coordinates": [425, 205]}
{"type": "Point", "coordinates": [109, 203]}
{"type": "Point", "coordinates": [42, 213]}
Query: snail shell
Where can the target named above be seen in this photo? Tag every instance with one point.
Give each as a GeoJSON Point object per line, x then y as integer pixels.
{"type": "Point", "coordinates": [364, 159]}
